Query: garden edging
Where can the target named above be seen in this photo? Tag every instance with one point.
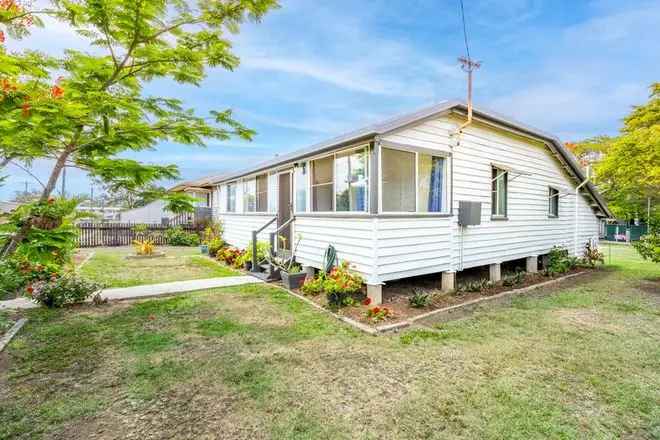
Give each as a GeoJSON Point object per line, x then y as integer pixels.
{"type": "Point", "coordinates": [7, 337]}
{"type": "Point", "coordinates": [467, 306]}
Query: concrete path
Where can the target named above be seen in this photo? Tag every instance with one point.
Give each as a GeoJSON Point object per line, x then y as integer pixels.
{"type": "Point", "coordinates": [149, 290]}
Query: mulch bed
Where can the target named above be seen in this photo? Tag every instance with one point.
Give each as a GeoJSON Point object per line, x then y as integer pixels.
{"type": "Point", "coordinates": [396, 297]}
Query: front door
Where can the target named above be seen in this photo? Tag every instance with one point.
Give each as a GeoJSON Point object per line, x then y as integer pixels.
{"type": "Point", "coordinates": [284, 211]}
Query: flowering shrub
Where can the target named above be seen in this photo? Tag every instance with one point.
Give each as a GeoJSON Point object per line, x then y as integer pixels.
{"type": "Point", "coordinates": [263, 248]}
{"type": "Point", "coordinates": [16, 274]}
{"type": "Point", "coordinates": [366, 301]}
{"type": "Point", "coordinates": [339, 284]}
{"type": "Point", "coordinates": [313, 286]}
{"type": "Point", "coordinates": [60, 291]}
{"type": "Point", "coordinates": [379, 314]}
{"type": "Point", "coordinates": [229, 255]}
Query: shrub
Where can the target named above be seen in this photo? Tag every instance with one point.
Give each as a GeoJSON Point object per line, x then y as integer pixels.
{"type": "Point", "coordinates": [419, 299]}
{"type": "Point", "coordinates": [16, 274]}
{"type": "Point", "coordinates": [263, 248]}
{"type": "Point", "coordinates": [229, 255]}
{"type": "Point", "coordinates": [376, 314]}
{"type": "Point", "coordinates": [513, 279]}
{"type": "Point", "coordinates": [648, 247]}
{"type": "Point", "coordinates": [215, 245]}
{"type": "Point", "coordinates": [176, 236]}
{"type": "Point", "coordinates": [60, 291]}
{"type": "Point", "coordinates": [475, 286]}
{"type": "Point", "coordinates": [592, 255]}
{"type": "Point", "coordinates": [559, 261]}
{"type": "Point", "coordinates": [144, 246]}
{"type": "Point", "coordinates": [313, 286]}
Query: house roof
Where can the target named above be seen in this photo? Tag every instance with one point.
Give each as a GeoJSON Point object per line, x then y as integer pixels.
{"type": "Point", "coordinates": [378, 129]}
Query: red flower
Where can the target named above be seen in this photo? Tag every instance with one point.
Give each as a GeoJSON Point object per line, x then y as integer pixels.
{"type": "Point", "coordinates": [152, 317]}
{"type": "Point", "coordinates": [25, 109]}
{"type": "Point", "coordinates": [29, 290]}
{"type": "Point", "coordinates": [366, 301]}
{"type": "Point", "coordinates": [2, 37]}
{"type": "Point", "coordinates": [375, 310]}
{"type": "Point", "coordinates": [57, 92]}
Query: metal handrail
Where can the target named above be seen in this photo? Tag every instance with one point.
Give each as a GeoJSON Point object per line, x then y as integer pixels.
{"type": "Point", "coordinates": [279, 228]}
{"type": "Point", "coordinates": [254, 243]}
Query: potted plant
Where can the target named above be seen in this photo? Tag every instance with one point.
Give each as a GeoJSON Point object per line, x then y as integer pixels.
{"type": "Point", "coordinates": [292, 276]}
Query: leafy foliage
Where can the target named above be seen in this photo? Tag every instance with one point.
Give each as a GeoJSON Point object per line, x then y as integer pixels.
{"type": "Point", "coordinates": [64, 290]}
{"type": "Point", "coordinates": [229, 255]}
{"type": "Point", "coordinates": [17, 273]}
{"type": "Point", "coordinates": [475, 285]}
{"type": "Point", "coordinates": [514, 279]}
{"type": "Point", "coordinates": [419, 299]}
{"type": "Point", "coordinates": [176, 236]}
{"type": "Point", "coordinates": [263, 249]}
{"type": "Point", "coordinates": [87, 109]}
{"type": "Point", "coordinates": [338, 285]}
{"type": "Point", "coordinates": [144, 247]}
{"type": "Point", "coordinates": [377, 314]}
{"type": "Point", "coordinates": [559, 261]}
{"type": "Point", "coordinates": [648, 247]}
{"type": "Point", "coordinates": [630, 172]}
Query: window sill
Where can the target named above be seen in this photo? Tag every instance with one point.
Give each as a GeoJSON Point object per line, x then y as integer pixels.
{"type": "Point", "coordinates": [369, 215]}
{"type": "Point", "coordinates": [498, 218]}
{"type": "Point", "coordinates": [553, 216]}
{"type": "Point", "coordinates": [253, 214]}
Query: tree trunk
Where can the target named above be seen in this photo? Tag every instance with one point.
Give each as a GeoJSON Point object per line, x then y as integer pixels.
{"type": "Point", "coordinates": [10, 245]}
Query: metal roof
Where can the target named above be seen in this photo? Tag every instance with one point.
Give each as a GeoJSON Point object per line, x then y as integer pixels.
{"type": "Point", "coordinates": [371, 131]}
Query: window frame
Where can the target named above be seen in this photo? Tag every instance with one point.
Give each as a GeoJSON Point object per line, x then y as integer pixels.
{"type": "Point", "coordinates": [553, 200]}
{"type": "Point", "coordinates": [307, 184]}
{"type": "Point", "coordinates": [228, 187]}
{"type": "Point", "coordinates": [494, 201]}
{"type": "Point", "coordinates": [333, 155]}
{"type": "Point", "coordinates": [258, 208]}
{"type": "Point", "coordinates": [446, 182]}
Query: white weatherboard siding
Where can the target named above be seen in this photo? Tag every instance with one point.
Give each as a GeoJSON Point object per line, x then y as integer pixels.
{"type": "Point", "coordinates": [385, 247]}
{"type": "Point", "coordinates": [238, 228]}
{"type": "Point", "coordinates": [528, 230]}
{"type": "Point", "coordinates": [351, 237]}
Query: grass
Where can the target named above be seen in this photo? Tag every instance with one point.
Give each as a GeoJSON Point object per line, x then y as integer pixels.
{"type": "Point", "coordinates": [111, 267]}
{"type": "Point", "coordinates": [6, 322]}
{"type": "Point", "coordinates": [253, 362]}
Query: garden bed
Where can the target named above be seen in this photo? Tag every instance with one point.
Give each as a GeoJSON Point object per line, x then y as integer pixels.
{"type": "Point", "coordinates": [397, 295]}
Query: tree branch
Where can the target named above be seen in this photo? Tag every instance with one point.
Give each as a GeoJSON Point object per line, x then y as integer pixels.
{"type": "Point", "coordinates": [26, 170]}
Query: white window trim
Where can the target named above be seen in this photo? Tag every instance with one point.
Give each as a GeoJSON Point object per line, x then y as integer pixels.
{"type": "Point", "coordinates": [550, 201]}
{"type": "Point", "coordinates": [364, 147]}
{"type": "Point", "coordinates": [504, 172]}
{"type": "Point", "coordinates": [235, 185]}
{"type": "Point", "coordinates": [445, 179]}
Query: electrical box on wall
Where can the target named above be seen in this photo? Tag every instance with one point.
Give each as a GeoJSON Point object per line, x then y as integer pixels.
{"type": "Point", "coordinates": [469, 213]}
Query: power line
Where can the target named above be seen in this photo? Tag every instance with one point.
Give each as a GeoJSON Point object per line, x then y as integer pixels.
{"type": "Point", "coordinates": [465, 37]}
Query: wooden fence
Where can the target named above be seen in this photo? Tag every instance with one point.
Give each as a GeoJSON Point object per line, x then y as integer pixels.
{"type": "Point", "coordinates": [121, 234]}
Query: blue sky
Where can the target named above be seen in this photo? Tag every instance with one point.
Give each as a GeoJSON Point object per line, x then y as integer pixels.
{"type": "Point", "coordinates": [314, 69]}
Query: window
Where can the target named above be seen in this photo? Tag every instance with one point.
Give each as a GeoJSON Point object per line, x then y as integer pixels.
{"type": "Point", "coordinates": [413, 181]}
{"type": "Point", "coordinates": [431, 183]}
{"type": "Point", "coordinates": [398, 180]}
{"type": "Point", "coordinates": [351, 182]}
{"type": "Point", "coordinates": [300, 181]}
{"type": "Point", "coordinates": [249, 195]}
{"type": "Point", "coordinates": [262, 193]}
{"type": "Point", "coordinates": [322, 184]}
{"type": "Point", "coordinates": [553, 202]}
{"type": "Point", "coordinates": [499, 192]}
{"type": "Point", "coordinates": [231, 197]}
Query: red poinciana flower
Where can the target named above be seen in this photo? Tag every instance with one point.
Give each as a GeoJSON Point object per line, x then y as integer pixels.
{"type": "Point", "coordinates": [375, 310]}
{"type": "Point", "coordinates": [57, 92]}
{"type": "Point", "coordinates": [2, 37]}
{"type": "Point", "coordinates": [51, 200]}
{"type": "Point", "coordinates": [25, 109]}
{"type": "Point", "coordinates": [29, 290]}
{"type": "Point", "coordinates": [366, 301]}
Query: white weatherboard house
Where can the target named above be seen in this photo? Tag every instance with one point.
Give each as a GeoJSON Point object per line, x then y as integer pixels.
{"type": "Point", "coordinates": [387, 197]}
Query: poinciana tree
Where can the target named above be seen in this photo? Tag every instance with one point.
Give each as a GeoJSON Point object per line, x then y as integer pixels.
{"type": "Point", "coordinates": [85, 109]}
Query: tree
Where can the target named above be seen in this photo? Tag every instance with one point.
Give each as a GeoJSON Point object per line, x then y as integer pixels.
{"type": "Point", "coordinates": [629, 174]}
{"type": "Point", "coordinates": [85, 109]}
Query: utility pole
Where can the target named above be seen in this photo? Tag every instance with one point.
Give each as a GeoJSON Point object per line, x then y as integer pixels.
{"type": "Point", "coordinates": [469, 66]}
{"type": "Point", "coordinates": [91, 195]}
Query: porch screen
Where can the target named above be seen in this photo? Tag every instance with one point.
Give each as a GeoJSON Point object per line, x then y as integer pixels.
{"type": "Point", "coordinates": [262, 193]}
{"type": "Point", "coordinates": [351, 181]}
{"type": "Point", "coordinates": [398, 180]}
{"type": "Point", "coordinates": [322, 187]}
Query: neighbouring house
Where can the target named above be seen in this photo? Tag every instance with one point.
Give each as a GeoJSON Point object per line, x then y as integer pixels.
{"type": "Point", "coordinates": [7, 207]}
{"type": "Point", "coordinates": [418, 194]}
{"type": "Point", "coordinates": [155, 212]}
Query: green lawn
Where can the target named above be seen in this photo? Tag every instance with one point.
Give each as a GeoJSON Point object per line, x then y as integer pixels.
{"type": "Point", "coordinates": [111, 267]}
{"type": "Point", "coordinates": [253, 362]}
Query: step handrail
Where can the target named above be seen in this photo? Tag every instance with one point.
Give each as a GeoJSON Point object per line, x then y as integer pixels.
{"type": "Point", "coordinates": [254, 243]}
{"type": "Point", "coordinates": [279, 228]}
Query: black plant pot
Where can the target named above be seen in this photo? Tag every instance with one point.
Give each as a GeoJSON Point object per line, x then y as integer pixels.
{"type": "Point", "coordinates": [293, 280]}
